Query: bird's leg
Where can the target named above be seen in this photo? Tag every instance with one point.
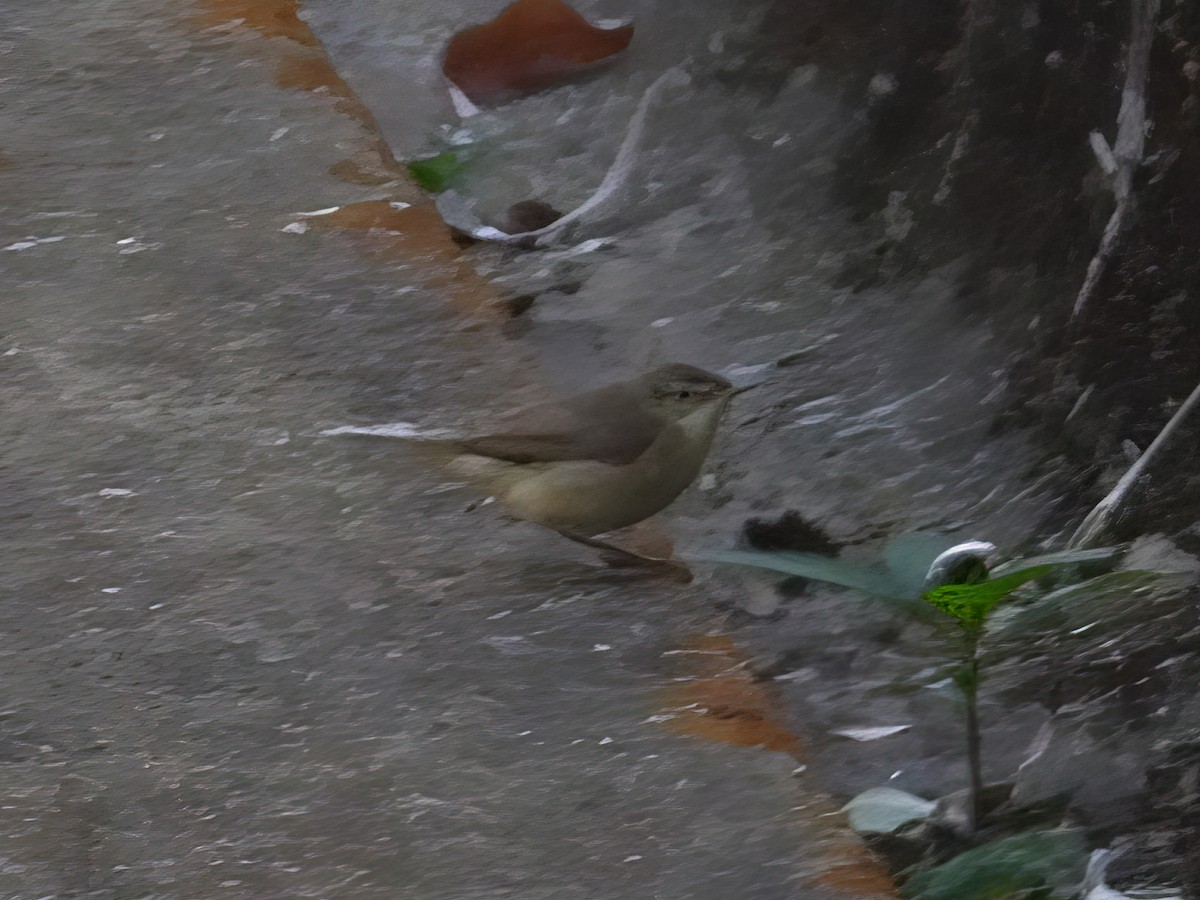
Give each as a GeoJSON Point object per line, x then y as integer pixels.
{"type": "Point", "coordinates": [615, 555]}
{"type": "Point", "coordinates": [605, 546]}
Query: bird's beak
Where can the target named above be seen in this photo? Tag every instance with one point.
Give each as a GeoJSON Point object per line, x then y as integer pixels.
{"type": "Point", "coordinates": [747, 378]}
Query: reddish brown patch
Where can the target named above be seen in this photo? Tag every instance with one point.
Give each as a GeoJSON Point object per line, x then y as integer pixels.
{"type": "Point", "coordinates": [532, 45]}
{"type": "Point", "coordinates": [271, 18]}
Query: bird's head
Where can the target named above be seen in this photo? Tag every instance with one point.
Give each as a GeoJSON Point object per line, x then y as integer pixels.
{"type": "Point", "coordinates": [678, 389]}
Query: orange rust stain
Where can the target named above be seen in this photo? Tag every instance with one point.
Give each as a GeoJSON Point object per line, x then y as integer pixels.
{"type": "Point", "coordinates": [271, 18]}
{"type": "Point", "coordinates": [416, 235]}
{"type": "Point", "coordinates": [419, 223]}
{"type": "Point", "coordinates": [414, 232]}
{"type": "Point", "coordinates": [722, 701]}
{"type": "Point", "coordinates": [354, 172]}
{"type": "Point", "coordinates": [311, 72]}
{"type": "Point", "coordinates": [532, 45]}
{"type": "Point", "coordinates": [860, 876]}
{"type": "Point", "coordinates": [310, 69]}
{"type": "Point", "coordinates": [381, 214]}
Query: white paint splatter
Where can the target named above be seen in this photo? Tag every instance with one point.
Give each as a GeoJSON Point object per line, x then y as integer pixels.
{"type": "Point", "coordinates": [32, 241]}
{"type": "Point", "coordinates": [871, 734]}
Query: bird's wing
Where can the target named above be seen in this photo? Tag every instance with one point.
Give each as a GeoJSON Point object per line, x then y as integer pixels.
{"type": "Point", "coordinates": [610, 425]}
{"type": "Point", "coordinates": [617, 449]}
{"type": "Point", "coordinates": [526, 448]}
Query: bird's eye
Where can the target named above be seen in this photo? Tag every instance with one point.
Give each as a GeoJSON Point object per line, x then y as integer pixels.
{"type": "Point", "coordinates": [683, 395]}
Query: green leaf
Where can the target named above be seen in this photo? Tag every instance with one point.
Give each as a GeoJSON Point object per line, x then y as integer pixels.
{"type": "Point", "coordinates": [1042, 864]}
{"type": "Point", "coordinates": [870, 579]}
{"type": "Point", "coordinates": [882, 810]}
{"type": "Point", "coordinates": [1105, 605]}
{"type": "Point", "coordinates": [1090, 558]}
{"type": "Point", "coordinates": [970, 603]}
{"type": "Point", "coordinates": [436, 173]}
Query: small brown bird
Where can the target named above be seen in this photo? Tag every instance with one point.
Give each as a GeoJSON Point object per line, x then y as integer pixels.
{"type": "Point", "coordinates": [604, 459]}
{"type": "Point", "coordinates": [601, 460]}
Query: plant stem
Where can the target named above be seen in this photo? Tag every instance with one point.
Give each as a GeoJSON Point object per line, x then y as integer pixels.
{"type": "Point", "coordinates": [974, 760]}
{"type": "Point", "coordinates": [970, 689]}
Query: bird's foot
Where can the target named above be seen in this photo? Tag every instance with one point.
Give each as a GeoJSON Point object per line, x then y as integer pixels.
{"type": "Point", "coordinates": [622, 558]}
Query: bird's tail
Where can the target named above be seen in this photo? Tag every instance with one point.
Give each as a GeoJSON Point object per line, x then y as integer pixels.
{"type": "Point", "coordinates": [438, 449]}
{"type": "Point", "coordinates": [405, 430]}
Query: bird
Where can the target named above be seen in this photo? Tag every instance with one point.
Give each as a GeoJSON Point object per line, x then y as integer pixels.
{"type": "Point", "coordinates": [599, 461]}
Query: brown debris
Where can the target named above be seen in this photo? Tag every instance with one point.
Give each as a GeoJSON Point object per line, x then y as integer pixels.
{"type": "Point", "coordinates": [529, 215]}
{"type": "Point", "coordinates": [533, 44]}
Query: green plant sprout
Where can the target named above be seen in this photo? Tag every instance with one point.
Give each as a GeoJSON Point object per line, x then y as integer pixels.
{"type": "Point", "coordinates": [921, 571]}
{"type": "Point", "coordinates": [437, 173]}
{"type": "Point", "coordinates": [969, 604]}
